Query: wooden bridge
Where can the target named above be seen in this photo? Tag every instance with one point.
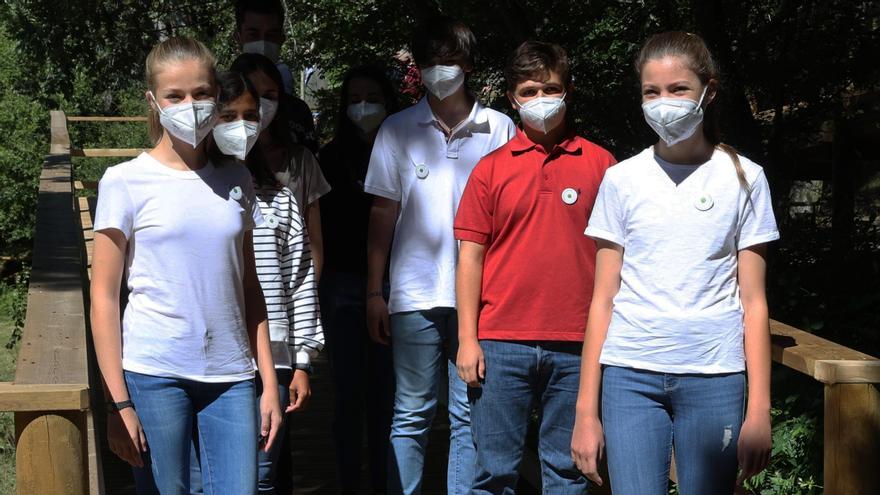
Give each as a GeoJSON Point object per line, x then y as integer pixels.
{"type": "Point", "coordinates": [58, 401]}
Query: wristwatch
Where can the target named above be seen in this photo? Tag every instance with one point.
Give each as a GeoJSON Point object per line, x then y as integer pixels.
{"type": "Point", "coordinates": [113, 407]}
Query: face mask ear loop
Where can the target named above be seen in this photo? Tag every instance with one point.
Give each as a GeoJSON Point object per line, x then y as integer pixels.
{"type": "Point", "coordinates": [155, 102]}
{"type": "Point", "coordinates": [700, 103]}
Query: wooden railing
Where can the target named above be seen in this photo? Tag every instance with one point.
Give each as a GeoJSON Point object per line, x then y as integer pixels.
{"type": "Point", "coordinates": [56, 448]}
{"type": "Point", "coordinates": [55, 437]}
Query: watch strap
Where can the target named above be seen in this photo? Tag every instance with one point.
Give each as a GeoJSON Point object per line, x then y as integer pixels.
{"type": "Point", "coordinates": [118, 406]}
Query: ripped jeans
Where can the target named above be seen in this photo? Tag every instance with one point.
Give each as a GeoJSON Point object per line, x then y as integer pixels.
{"type": "Point", "coordinates": [645, 413]}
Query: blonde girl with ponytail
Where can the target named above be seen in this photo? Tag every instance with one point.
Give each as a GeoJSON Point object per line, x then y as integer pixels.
{"type": "Point", "coordinates": [679, 326]}
{"type": "Point", "coordinates": [178, 366]}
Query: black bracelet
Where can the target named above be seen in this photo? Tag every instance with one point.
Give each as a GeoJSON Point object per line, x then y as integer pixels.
{"type": "Point", "coordinates": [375, 293]}
{"type": "Point", "coordinates": [118, 406]}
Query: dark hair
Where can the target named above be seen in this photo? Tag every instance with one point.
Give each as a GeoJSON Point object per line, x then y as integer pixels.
{"type": "Point", "coordinates": [248, 63]}
{"type": "Point", "coordinates": [442, 37]}
{"type": "Point", "coordinates": [535, 60]}
{"type": "Point", "coordinates": [695, 54]}
{"type": "Point", "coordinates": [232, 85]}
{"type": "Point", "coordinates": [345, 128]}
{"type": "Point", "coordinates": [267, 7]}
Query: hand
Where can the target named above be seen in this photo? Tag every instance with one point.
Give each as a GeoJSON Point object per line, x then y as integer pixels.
{"type": "Point", "coordinates": [587, 444]}
{"type": "Point", "coordinates": [753, 447]}
{"type": "Point", "coordinates": [126, 436]}
{"type": "Point", "coordinates": [470, 362]}
{"type": "Point", "coordinates": [300, 392]}
{"type": "Point", "coordinates": [270, 417]}
{"type": "Point", "coordinates": [377, 320]}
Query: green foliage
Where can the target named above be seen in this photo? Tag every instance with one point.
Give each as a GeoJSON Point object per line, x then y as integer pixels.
{"type": "Point", "coordinates": [10, 298]}
{"type": "Point", "coordinates": [796, 459]}
{"type": "Point", "coordinates": [23, 142]}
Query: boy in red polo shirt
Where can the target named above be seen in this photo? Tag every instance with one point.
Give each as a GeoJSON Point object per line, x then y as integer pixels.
{"type": "Point", "coordinates": [525, 278]}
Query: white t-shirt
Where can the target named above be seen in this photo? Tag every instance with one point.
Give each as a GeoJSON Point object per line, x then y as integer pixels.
{"type": "Point", "coordinates": [287, 276]}
{"type": "Point", "coordinates": [303, 176]}
{"type": "Point", "coordinates": [185, 231]}
{"type": "Point", "coordinates": [678, 309]}
{"type": "Point", "coordinates": [413, 163]}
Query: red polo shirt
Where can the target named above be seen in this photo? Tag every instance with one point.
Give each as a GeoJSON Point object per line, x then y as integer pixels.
{"type": "Point", "coordinates": [530, 208]}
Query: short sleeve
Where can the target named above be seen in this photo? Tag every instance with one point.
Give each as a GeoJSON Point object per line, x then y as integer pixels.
{"type": "Point", "coordinates": [607, 221]}
{"type": "Point", "coordinates": [115, 209]}
{"type": "Point", "coordinates": [251, 204]}
{"type": "Point", "coordinates": [473, 221]}
{"type": "Point", "coordinates": [757, 223]}
{"type": "Point", "coordinates": [316, 183]}
{"type": "Point", "coordinates": [382, 176]}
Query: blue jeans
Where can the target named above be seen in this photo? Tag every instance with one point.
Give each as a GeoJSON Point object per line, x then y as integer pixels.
{"type": "Point", "coordinates": [363, 382]}
{"type": "Point", "coordinates": [417, 341]}
{"type": "Point", "coordinates": [520, 375]}
{"type": "Point", "coordinates": [645, 413]}
{"type": "Point", "coordinates": [222, 415]}
{"type": "Point", "coordinates": [267, 462]}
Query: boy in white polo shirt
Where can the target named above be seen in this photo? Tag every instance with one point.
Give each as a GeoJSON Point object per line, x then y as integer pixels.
{"type": "Point", "coordinates": [419, 167]}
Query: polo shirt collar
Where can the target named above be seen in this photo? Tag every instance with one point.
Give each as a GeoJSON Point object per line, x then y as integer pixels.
{"type": "Point", "coordinates": [477, 117]}
{"type": "Point", "coordinates": [521, 143]}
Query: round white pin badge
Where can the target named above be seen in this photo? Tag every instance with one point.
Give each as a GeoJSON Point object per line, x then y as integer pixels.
{"type": "Point", "coordinates": [271, 221]}
{"type": "Point", "coordinates": [235, 193]}
{"type": "Point", "coordinates": [421, 171]}
{"type": "Point", "coordinates": [703, 202]}
{"type": "Point", "coordinates": [569, 196]}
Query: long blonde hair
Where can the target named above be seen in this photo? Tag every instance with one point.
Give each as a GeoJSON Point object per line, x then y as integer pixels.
{"type": "Point", "coordinates": [169, 51]}
{"type": "Point", "coordinates": [694, 52]}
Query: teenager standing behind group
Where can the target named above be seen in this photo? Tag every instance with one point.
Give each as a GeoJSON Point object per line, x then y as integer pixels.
{"type": "Point", "coordinates": [363, 378]}
{"type": "Point", "coordinates": [420, 163]}
{"type": "Point", "coordinates": [679, 322]}
{"type": "Point", "coordinates": [180, 228]}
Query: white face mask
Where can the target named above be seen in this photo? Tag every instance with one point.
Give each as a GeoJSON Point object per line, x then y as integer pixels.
{"type": "Point", "coordinates": [367, 116]}
{"type": "Point", "coordinates": [674, 119]}
{"type": "Point", "coordinates": [190, 122]}
{"type": "Point", "coordinates": [442, 80]}
{"type": "Point", "coordinates": [262, 47]}
{"type": "Point", "coordinates": [543, 113]}
{"type": "Point", "coordinates": [268, 109]}
{"type": "Point", "coordinates": [236, 138]}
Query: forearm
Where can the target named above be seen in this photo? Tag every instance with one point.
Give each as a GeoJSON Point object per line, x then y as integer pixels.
{"type": "Point", "coordinates": [468, 290]}
{"type": "Point", "coordinates": [107, 338]}
{"type": "Point", "coordinates": [261, 347]}
{"type": "Point", "coordinates": [316, 237]}
{"type": "Point", "coordinates": [609, 260]}
{"type": "Point", "coordinates": [758, 360]}
{"type": "Point", "coordinates": [381, 230]}
{"type": "Point", "coordinates": [756, 322]}
{"type": "Point", "coordinates": [591, 371]}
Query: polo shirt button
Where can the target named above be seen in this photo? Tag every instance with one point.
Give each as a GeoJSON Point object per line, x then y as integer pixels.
{"type": "Point", "coordinates": [569, 196]}
{"type": "Point", "coordinates": [271, 221]}
{"type": "Point", "coordinates": [546, 177]}
{"type": "Point", "coordinates": [421, 171]}
{"type": "Point", "coordinates": [235, 193]}
{"type": "Point", "coordinates": [703, 202]}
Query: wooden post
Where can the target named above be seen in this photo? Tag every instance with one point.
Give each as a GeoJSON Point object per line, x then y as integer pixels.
{"type": "Point", "coordinates": [852, 438]}
{"type": "Point", "coordinates": [49, 456]}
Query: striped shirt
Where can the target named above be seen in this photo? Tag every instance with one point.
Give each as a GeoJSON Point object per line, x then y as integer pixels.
{"type": "Point", "coordinates": [287, 277]}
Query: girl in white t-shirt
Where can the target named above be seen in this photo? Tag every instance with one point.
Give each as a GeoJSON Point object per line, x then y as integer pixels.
{"type": "Point", "coordinates": [178, 227]}
{"type": "Point", "coordinates": [679, 321]}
